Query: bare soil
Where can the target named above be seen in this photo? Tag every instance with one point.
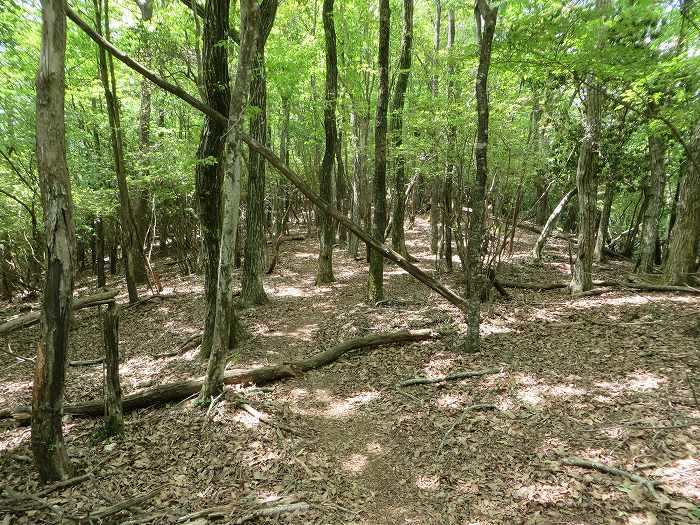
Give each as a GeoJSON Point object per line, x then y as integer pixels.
{"type": "Point", "coordinates": [610, 378]}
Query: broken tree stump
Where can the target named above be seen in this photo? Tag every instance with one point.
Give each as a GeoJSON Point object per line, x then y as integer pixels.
{"type": "Point", "coordinates": [114, 417]}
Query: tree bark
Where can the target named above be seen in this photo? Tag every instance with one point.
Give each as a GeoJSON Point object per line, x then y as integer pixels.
{"type": "Point", "coordinates": [324, 274]}
{"type": "Point", "coordinates": [360, 208]}
{"type": "Point", "coordinates": [450, 168]}
{"type": "Point", "coordinates": [655, 187]}
{"type": "Point", "coordinates": [398, 236]}
{"type": "Point", "coordinates": [131, 243]}
{"type": "Point", "coordinates": [252, 290]}
{"type": "Point", "coordinates": [100, 251]}
{"type": "Point", "coordinates": [114, 417]}
{"type": "Point", "coordinates": [586, 178]}
{"type": "Point", "coordinates": [474, 279]}
{"type": "Point", "coordinates": [226, 321]}
{"type": "Point", "coordinates": [683, 247]}
{"type": "Point", "coordinates": [48, 448]}
{"type": "Point", "coordinates": [375, 281]}
{"type": "Point", "coordinates": [604, 222]}
{"type": "Point", "coordinates": [208, 175]}
{"type": "Point", "coordinates": [435, 183]}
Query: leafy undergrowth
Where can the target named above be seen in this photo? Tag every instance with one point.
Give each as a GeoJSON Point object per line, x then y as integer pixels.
{"type": "Point", "coordinates": [606, 378]}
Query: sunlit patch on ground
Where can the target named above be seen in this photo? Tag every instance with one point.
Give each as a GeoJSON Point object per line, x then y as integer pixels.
{"type": "Point", "coordinates": [439, 365]}
{"type": "Point", "coordinates": [544, 493]}
{"type": "Point", "coordinates": [683, 475]}
{"type": "Point", "coordinates": [637, 382]}
{"type": "Point", "coordinates": [345, 407]}
{"type": "Point", "coordinates": [428, 482]}
{"type": "Point", "coordinates": [355, 464]}
{"type": "Point", "coordinates": [451, 401]}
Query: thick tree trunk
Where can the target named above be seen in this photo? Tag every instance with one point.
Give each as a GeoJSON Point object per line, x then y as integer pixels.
{"type": "Point", "coordinates": [398, 236]}
{"type": "Point", "coordinates": [474, 279]}
{"type": "Point", "coordinates": [375, 282]}
{"type": "Point", "coordinates": [655, 187]}
{"type": "Point", "coordinates": [49, 373]}
{"type": "Point", "coordinates": [604, 222]}
{"type": "Point", "coordinates": [587, 180]}
{"type": "Point", "coordinates": [226, 321]}
{"type": "Point", "coordinates": [681, 263]}
{"type": "Point", "coordinates": [208, 175]}
{"type": "Point", "coordinates": [252, 289]}
{"type": "Point", "coordinates": [324, 274]}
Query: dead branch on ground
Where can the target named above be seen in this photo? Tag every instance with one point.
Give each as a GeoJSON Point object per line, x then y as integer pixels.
{"type": "Point", "coordinates": [451, 377]}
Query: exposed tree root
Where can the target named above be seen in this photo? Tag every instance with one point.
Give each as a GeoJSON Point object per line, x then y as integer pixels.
{"type": "Point", "coordinates": [299, 507]}
{"type": "Point", "coordinates": [452, 377]}
{"type": "Point", "coordinates": [605, 469]}
{"type": "Point", "coordinates": [33, 318]}
{"type": "Point", "coordinates": [178, 390]}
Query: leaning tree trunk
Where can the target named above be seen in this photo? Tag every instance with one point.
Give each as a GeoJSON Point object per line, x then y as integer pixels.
{"type": "Point", "coordinates": [324, 274]}
{"type": "Point", "coordinates": [474, 279]}
{"type": "Point", "coordinates": [226, 322]}
{"type": "Point", "coordinates": [549, 225]}
{"type": "Point", "coordinates": [134, 263]}
{"type": "Point", "coordinates": [49, 373]}
{"type": "Point", "coordinates": [685, 235]}
{"type": "Point", "coordinates": [604, 222]}
{"type": "Point", "coordinates": [650, 224]}
{"type": "Point", "coordinates": [586, 180]}
{"type": "Point", "coordinates": [252, 290]}
{"type": "Point", "coordinates": [375, 282]}
{"type": "Point", "coordinates": [208, 175]}
{"type": "Point", "coordinates": [398, 236]}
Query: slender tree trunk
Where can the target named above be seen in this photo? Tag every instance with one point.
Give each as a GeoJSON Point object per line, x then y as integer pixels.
{"type": "Point", "coordinates": [359, 204]}
{"type": "Point", "coordinates": [49, 373]}
{"type": "Point", "coordinates": [132, 254]}
{"type": "Point", "coordinates": [435, 183]}
{"type": "Point", "coordinates": [208, 175]}
{"type": "Point", "coordinates": [604, 222]}
{"type": "Point", "coordinates": [226, 321]}
{"type": "Point", "coordinates": [650, 224]}
{"type": "Point", "coordinates": [100, 251]}
{"type": "Point", "coordinates": [375, 283]}
{"type": "Point", "coordinates": [681, 262]}
{"type": "Point", "coordinates": [587, 180]}
{"type": "Point", "coordinates": [324, 272]}
{"type": "Point", "coordinates": [551, 223]}
{"type": "Point", "coordinates": [252, 289]}
{"type": "Point", "coordinates": [474, 279]}
{"type": "Point", "coordinates": [447, 218]}
{"type": "Point", "coordinates": [398, 236]}
{"type": "Point", "coordinates": [341, 186]}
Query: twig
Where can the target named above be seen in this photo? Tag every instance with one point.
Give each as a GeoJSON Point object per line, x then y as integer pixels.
{"type": "Point", "coordinates": [63, 484]}
{"type": "Point", "coordinates": [605, 469]}
{"type": "Point", "coordinates": [220, 511]}
{"type": "Point", "coordinates": [126, 504]}
{"type": "Point", "coordinates": [261, 416]}
{"type": "Point", "coordinates": [213, 403]}
{"type": "Point", "coordinates": [451, 377]}
{"type": "Point", "coordinates": [273, 511]}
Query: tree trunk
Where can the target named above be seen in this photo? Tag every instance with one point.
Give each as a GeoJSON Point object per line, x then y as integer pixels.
{"type": "Point", "coordinates": [208, 175]}
{"type": "Point", "coordinates": [474, 279]}
{"type": "Point", "coordinates": [685, 235]}
{"type": "Point", "coordinates": [114, 417]}
{"type": "Point", "coordinates": [398, 236]}
{"type": "Point", "coordinates": [551, 222]}
{"type": "Point", "coordinates": [226, 321]}
{"type": "Point", "coordinates": [655, 186]}
{"type": "Point", "coordinates": [100, 252]}
{"type": "Point", "coordinates": [359, 206]}
{"type": "Point", "coordinates": [586, 179]}
{"type": "Point", "coordinates": [375, 282]}
{"type": "Point", "coordinates": [49, 373]}
{"type": "Point", "coordinates": [324, 274]}
{"type": "Point", "coordinates": [252, 290]}
{"type": "Point", "coordinates": [447, 194]}
{"type": "Point", "coordinates": [604, 222]}
{"type": "Point", "coordinates": [435, 185]}
{"type": "Point", "coordinates": [131, 252]}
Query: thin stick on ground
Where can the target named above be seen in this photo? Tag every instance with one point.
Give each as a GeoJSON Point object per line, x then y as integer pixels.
{"type": "Point", "coordinates": [123, 505]}
{"type": "Point", "coordinates": [605, 469]}
{"type": "Point", "coordinates": [299, 507]}
{"type": "Point", "coordinates": [262, 417]}
{"type": "Point", "coordinates": [451, 377]}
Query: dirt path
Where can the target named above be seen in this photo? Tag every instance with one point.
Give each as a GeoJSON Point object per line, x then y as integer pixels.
{"type": "Point", "coordinates": [604, 378]}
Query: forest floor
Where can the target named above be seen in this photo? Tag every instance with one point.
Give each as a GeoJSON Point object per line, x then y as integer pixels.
{"type": "Point", "coordinates": [606, 378]}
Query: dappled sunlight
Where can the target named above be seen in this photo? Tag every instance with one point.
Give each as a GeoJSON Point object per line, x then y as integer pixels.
{"type": "Point", "coordinates": [349, 405]}
{"type": "Point", "coordinates": [544, 493]}
{"type": "Point", "coordinates": [11, 389]}
{"type": "Point", "coordinates": [637, 382]}
{"type": "Point", "coordinates": [304, 332]}
{"type": "Point", "coordinates": [439, 365]}
{"type": "Point", "coordinates": [430, 483]}
{"type": "Point", "coordinates": [355, 464]}
{"type": "Point", "coordinates": [534, 392]}
{"type": "Point", "coordinates": [12, 439]}
{"type": "Point", "coordinates": [486, 329]}
{"type": "Point", "coordinates": [683, 475]}
{"type": "Point", "coordinates": [451, 401]}
{"type": "Point", "coordinates": [138, 370]}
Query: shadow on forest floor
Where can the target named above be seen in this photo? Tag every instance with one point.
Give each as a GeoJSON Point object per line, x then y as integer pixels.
{"type": "Point", "coordinates": [605, 378]}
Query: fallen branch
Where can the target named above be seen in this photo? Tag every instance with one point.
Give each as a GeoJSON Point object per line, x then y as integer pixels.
{"type": "Point", "coordinates": [607, 284]}
{"type": "Point", "coordinates": [176, 391]}
{"type": "Point", "coordinates": [605, 469]}
{"type": "Point", "coordinates": [262, 417]}
{"type": "Point", "coordinates": [220, 511]}
{"type": "Point", "coordinates": [123, 505]}
{"type": "Point", "coordinates": [452, 377]}
{"type": "Point", "coordinates": [32, 318]}
{"type": "Point", "coordinates": [274, 511]}
{"type": "Point", "coordinates": [87, 362]}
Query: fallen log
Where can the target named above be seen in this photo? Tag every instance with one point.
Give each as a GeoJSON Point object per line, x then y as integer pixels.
{"type": "Point", "coordinates": [451, 377]}
{"type": "Point", "coordinates": [179, 390]}
{"type": "Point", "coordinates": [32, 318]}
{"type": "Point", "coordinates": [531, 286]}
{"type": "Point", "coordinates": [605, 284]}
